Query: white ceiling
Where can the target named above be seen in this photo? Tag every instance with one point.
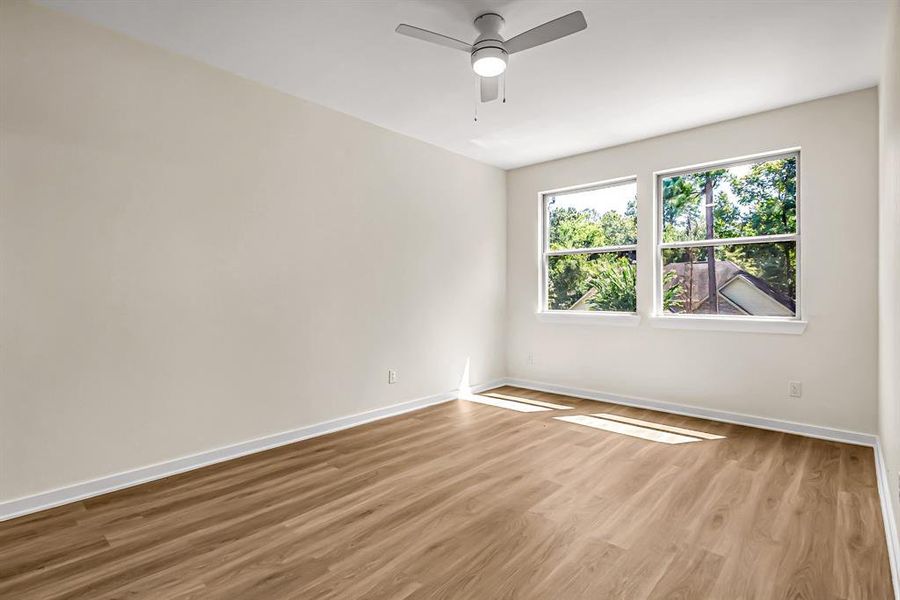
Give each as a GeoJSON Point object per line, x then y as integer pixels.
{"type": "Point", "coordinates": [642, 68]}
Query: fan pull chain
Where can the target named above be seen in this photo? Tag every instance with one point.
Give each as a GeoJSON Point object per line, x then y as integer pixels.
{"type": "Point", "coordinates": [477, 96]}
{"type": "Point", "coordinates": [504, 87]}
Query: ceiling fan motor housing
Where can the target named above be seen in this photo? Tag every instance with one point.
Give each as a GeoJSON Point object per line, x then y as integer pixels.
{"type": "Point", "coordinates": [489, 55]}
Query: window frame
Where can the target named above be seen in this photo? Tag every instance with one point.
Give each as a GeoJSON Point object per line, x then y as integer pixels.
{"type": "Point", "coordinates": [544, 312]}
{"type": "Point", "coordinates": [769, 324]}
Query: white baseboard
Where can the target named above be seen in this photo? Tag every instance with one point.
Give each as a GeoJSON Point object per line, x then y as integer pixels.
{"type": "Point", "coordinates": [815, 431]}
{"type": "Point", "coordinates": [887, 514]}
{"type": "Point", "coordinates": [110, 483]}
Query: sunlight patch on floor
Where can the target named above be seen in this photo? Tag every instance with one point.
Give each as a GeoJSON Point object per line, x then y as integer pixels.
{"type": "Point", "coordinates": [507, 404]}
{"type": "Point", "coordinates": [653, 435]}
{"type": "Point", "coordinates": [661, 426]}
{"type": "Point", "coordinates": [528, 401]}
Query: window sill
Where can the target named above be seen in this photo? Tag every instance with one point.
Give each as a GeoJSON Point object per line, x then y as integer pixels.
{"type": "Point", "coordinates": [589, 318]}
{"type": "Point", "coordinates": [739, 324]}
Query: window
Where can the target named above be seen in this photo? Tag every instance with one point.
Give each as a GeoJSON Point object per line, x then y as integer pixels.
{"type": "Point", "coordinates": [729, 239]}
{"type": "Point", "coordinates": [589, 248]}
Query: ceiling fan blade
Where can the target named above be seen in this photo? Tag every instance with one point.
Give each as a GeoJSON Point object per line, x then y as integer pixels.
{"type": "Point", "coordinates": [549, 31]}
{"type": "Point", "coordinates": [490, 88]}
{"type": "Point", "coordinates": [434, 38]}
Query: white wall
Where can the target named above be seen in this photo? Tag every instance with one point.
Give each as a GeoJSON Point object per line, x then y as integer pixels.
{"type": "Point", "coordinates": [190, 260]}
{"type": "Point", "coordinates": [889, 259]}
{"type": "Point", "coordinates": [740, 372]}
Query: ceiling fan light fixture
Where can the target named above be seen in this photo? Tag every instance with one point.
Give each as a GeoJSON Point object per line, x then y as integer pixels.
{"type": "Point", "coordinates": [490, 51]}
{"type": "Point", "coordinates": [489, 62]}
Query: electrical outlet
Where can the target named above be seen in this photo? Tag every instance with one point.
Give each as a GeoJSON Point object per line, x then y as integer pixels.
{"type": "Point", "coordinates": [531, 358]}
{"type": "Point", "coordinates": [795, 389]}
{"type": "Point", "coordinates": [392, 376]}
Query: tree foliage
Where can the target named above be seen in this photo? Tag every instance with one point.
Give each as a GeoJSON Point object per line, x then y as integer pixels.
{"type": "Point", "coordinates": [571, 275]}
{"type": "Point", "coordinates": [616, 285]}
{"type": "Point", "coordinates": [615, 282]}
{"type": "Point", "coordinates": [761, 200]}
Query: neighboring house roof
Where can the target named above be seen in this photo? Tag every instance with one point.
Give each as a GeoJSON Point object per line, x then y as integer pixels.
{"type": "Point", "coordinates": [582, 303]}
{"type": "Point", "coordinates": [747, 293]}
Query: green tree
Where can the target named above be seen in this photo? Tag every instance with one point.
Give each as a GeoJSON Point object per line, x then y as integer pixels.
{"type": "Point", "coordinates": [767, 197]}
{"type": "Point", "coordinates": [573, 228]}
{"type": "Point", "coordinates": [617, 229]}
{"type": "Point", "coordinates": [568, 280]}
{"type": "Point", "coordinates": [681, 222]}
{"type": "Point", "coordinates": [616, 287]}
{"type": "Point", "coordinates": [707, 181]}
{"type": "Point", "coordinates": [615, 282]}
{"type": "Point", "coordinates": [681, 210]}
{"type": "Point", "coordinates": [570, 275]}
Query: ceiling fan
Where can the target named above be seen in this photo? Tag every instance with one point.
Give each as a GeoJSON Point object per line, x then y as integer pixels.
{"type": "Point", "coordinates": [490, 53]}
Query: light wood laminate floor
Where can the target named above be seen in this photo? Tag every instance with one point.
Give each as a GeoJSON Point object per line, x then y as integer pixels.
{"type": "Point", "coordinates": [471, 501]}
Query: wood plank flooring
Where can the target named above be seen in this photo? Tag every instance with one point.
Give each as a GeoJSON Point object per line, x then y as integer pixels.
{"type": "Point", "coordinates": [471, 501]}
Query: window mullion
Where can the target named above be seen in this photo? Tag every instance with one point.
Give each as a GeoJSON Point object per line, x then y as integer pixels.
{"type": "Point", "coordinates": [598, 250]}
{"type": "Point", "coordinates": [759, 239]}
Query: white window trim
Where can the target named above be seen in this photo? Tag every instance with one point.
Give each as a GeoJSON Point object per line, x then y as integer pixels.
{"type": "Point", "coordinates": [580, 317]}
{"type": "Point", "coordinates": [593, 317]}
{"type": "Point", "coordinates": [659, 318]}
{"type": "Point", "coordinates": [786, 325]}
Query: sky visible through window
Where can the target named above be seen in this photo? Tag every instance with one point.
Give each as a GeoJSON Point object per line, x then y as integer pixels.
{"type": "Point", "coordinates": [615, 198]}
